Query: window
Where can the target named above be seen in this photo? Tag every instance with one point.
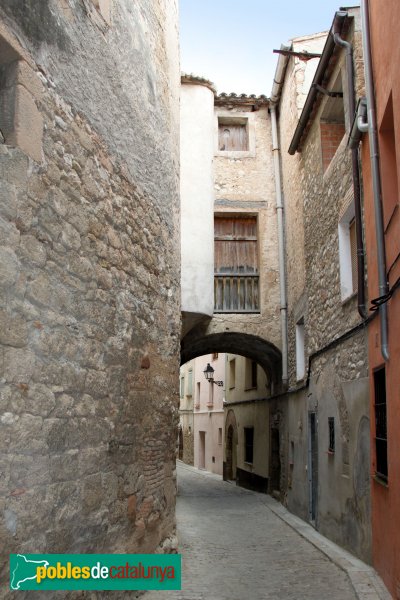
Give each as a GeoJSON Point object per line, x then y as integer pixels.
{"type": "Point", "coordinates": [331, 428]}
{"type": "Point", "coordinates": [250, 374]}
{"type": "Point", "coordinates": [353, 253]}
{"type": "Point", "coordinates": [182, 387]}
{"type": "Point", "coordinates": [236, 264]}
{"type": "Point", "coordinates": [300, 358]}
{"type": "Point", "coordinates": [380, 424]}
{"type": "Point", "coordinates": [332, 123]}
{"type": "Point", "coordinates": [232, 134]}
{"type": "Point", "coordinates": [197, 399]}
{"type": "Point", "coordinates": [388, 162]}
{"type": "Point", "coordinates": [220, 436]}
{"type": "Point", "coordinates": [248, 444]}
{"type": "Point", "coordinates": [232, 373]}
{"type": "Point", "coordinates": [189, 387]}
{"type": "Point", "coordinates": [348, 253]}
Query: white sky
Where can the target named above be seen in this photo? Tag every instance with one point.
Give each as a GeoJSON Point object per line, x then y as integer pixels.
{"type": "Point", "coordinates": [230, 42]}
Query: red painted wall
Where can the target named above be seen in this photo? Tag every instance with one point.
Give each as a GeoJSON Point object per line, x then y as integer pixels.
{"type": "Point", "coordinates": [384, 21]}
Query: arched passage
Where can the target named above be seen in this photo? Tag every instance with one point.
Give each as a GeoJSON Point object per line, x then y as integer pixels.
{"type": "Point", "coordinates": [268, 356]}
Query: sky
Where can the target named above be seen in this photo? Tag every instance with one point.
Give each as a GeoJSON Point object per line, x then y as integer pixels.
{"type": "Point", "coordinates": [230, 42]}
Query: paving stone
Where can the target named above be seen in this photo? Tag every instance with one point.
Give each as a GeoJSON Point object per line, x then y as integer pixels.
{"type": "Point", "coordinates": [234, 547]}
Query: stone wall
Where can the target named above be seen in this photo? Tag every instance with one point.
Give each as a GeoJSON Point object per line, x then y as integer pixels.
{"type": "Point", "coordinates": [89, 277]}
{"type": "Point", "coordinates": [337, 387]}
{"type": "Point", "coordinates": [298, 78]}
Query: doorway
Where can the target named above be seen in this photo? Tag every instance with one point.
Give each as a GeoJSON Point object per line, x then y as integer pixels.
{"type": "Point", "coordinates": [312, 465]}
{"type": "Point", "coordinates": [202, 449]}
{"type": "Point", "coordinates": [230, 454]}
{"type": "Point", "coordinates": [275, 478]}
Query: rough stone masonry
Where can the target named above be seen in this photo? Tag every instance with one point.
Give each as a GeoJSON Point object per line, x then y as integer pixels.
{"type": "Point", "coordinates": [89, 276]}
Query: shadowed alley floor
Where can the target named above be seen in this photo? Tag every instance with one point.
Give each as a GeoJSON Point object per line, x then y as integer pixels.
{"type": "Point", "coordinates": [236, 546]}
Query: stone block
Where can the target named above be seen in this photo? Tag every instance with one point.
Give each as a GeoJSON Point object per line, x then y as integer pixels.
{"type": "Point", "coordinates": [21, 73]}
{"type": "Point", "coordinates": [9, 268]}
{"type": "Point", "coordinates": [13, 330]}
{"type": "Point", "coordinates": [27, 129]}
{"type": "Point", "coordinates": [19, 365]}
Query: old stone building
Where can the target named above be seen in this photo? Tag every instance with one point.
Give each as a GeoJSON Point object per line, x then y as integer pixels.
{"type": "Point", "coordinates": [324, 418]}
{"type": "Point", "coordinates": [230, 246]}
{"type": "Point", "coordinates": [230, 274]}
{"type": "Point", "coordinates": [89, 276]}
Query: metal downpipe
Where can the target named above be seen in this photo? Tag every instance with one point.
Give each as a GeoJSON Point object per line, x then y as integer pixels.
{"type": "Point", "coordinates": [362, 310]}
{"type": "Point", "coordinates": [376, 178]}
{"type": "Point", "coordinates": [281, 245]}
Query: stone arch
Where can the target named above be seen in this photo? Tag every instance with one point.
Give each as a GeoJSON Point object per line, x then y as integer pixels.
{"type": "Point", "coordinates": [231, 441]}
{"type": "Point", "coordinates": [267, 355]}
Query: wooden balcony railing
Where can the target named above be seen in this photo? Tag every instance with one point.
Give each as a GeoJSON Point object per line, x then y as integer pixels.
{"type": "Point", "coordinates": [236, 292]}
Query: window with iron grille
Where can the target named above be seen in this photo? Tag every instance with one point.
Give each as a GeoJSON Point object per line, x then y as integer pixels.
{"type": "Point", "coordinates": [380, 424]}
{"type": "Point", "coordinates": [248, 444]}
{"type": "Point", "coordinates": [331, 426]}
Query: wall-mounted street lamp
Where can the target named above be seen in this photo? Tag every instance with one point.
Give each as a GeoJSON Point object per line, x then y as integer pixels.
{"type": "Point", "coordinates": [209, 375]}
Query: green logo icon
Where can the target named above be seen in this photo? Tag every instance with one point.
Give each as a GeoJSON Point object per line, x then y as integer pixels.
{"type": "Point", "coordinates": [95, 571]}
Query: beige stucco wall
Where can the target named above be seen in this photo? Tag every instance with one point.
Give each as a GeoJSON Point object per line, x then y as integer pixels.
{"type": "Point", "coordinates": [197, 199]}
{"type": "Point", "coordinates": [187, 373]}
{"type": "Point", "coordinates": [251, 410]}
{"type": "Point", "coordinates": [209, 414]}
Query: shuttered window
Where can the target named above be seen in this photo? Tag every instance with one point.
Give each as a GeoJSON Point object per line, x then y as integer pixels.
{"type": "Point", "coordinates": [232, 137]}
{"type": "Point", "coordinates": [236, 264]}
{"type": "Point", "coordinates": [353, 253]}
{"type": "Point", "coordinates": [235, 245]}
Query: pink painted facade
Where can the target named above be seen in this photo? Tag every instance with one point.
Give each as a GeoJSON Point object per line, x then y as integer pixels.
{"type": "Point", "coordinates": [208, 417]}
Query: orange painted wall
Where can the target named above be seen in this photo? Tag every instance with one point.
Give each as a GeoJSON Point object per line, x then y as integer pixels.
{"type": "Point", "coordinates": [384, 21]}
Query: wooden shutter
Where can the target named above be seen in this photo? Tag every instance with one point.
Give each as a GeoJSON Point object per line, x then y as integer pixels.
{"type": "Point", "coordinates": [236, 265]}
{"type": "Point", "coordinates": [232, 137]}
{"type": "Point", "coordinates": [236, 245]}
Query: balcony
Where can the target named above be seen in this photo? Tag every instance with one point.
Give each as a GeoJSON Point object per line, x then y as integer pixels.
{"type": "Point", "coordinates": [236, 293]}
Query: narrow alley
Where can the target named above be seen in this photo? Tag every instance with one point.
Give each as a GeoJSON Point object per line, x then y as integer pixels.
{"type": "Point", "coordinates": [235, 546]}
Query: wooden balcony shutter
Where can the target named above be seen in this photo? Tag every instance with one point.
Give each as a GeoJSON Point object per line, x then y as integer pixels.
{"type": "Point", "coordinates": [236, 265]}
{"type": "Point", "coordinates": [236, 245]}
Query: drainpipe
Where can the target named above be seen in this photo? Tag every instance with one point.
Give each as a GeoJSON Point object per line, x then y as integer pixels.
{"type": "Point", "coordinates": [356, 174]}
{"type": "Point", "coordinates": [376, 179]}
{"type": "Point", "coordinates": [281, 247]}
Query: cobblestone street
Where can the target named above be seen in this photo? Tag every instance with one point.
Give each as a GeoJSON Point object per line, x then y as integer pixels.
{"type": "Point", "coordinates": [234, 547]}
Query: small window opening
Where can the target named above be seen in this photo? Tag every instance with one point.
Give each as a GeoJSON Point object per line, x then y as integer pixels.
{"type": "Point", "coordinates": [233, 134]}
{"type": "Point", "coordinates": [331, 427]}
{"type": "Point", "coordinates": [248, 444]}
{"type": "Point", "coordinates": [220, 435]}
{"type": "Point", "coordinates": [300, 354]}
